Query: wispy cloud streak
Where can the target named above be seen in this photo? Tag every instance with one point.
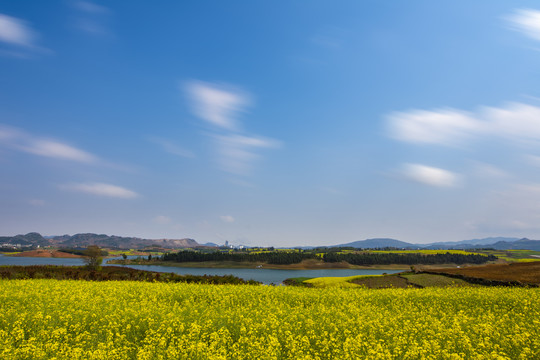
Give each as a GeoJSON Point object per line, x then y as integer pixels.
{"type": "Point", "coordinates": [219, 106]}
{"type": "Point", "coordinates": [19, 140]}
{"type": "Point", "coordinates": [526, 21]}
{"type": "Point", "coordinates": [16, 31]}
{"type": "Point", "coordinates": [236, 153]}
{"type": "Point", "coordinates": [101, 189]}
{"type": "Point", "coordinates": [17, 38]}
{"type": "Point", "coordinates": [430, 175]}
{"type": "Point", "coordinates": [227, 218]}
{"type": "Point", "coordinates": [516, 122]}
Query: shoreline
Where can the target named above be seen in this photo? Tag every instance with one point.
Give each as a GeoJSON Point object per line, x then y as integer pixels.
{"type": "Point", "coordinates": [43, 253]}
{"type": "Point", "coordinates": [305, 265]}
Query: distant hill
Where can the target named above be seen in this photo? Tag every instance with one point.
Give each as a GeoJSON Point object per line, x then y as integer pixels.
{"type": "Point", "coordinates": [211, 244]}
{"type": "Point", "coordinates": [499, 243]}
{"type": "Point", "coordinates": [470, 243]}
{"type": "Point", "coordinates": [30, 239]}
{"type": "Point", "coordinates": [102, 240]}
{"type": "Point", "coordinates": [523, 244]}
{"type": "Point", "coordinates": [379, 243]}
{"type": "Point", "coordinates": [35, 239]}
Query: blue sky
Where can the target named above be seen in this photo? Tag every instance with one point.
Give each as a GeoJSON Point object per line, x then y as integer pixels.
{"type": "Point", "coordinates": [277, 123]}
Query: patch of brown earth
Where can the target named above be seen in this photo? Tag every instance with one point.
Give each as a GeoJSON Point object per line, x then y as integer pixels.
{"type": "Point", "coordinates": [525, 272]}
{"type": "Point", "coordinates": [46, 254]}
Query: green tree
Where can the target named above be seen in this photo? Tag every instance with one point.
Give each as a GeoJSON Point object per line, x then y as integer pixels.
{"type": "Point", "coordinates": [93, 257]}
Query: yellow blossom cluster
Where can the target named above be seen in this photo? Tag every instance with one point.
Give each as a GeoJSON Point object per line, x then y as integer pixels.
{"type": "Point", "coordinates": [50, 319]}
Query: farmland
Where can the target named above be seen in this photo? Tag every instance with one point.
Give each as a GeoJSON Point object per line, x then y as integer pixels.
{"type": "Point", "coordinates": [313, 258]}
{"type": "Point", "coordinates": [43, 319]}
{"type": "Point", "coordinates": [401, 280]}
{"type": "Point", "coordinates": [514, 255]}
{"type": "Point", "coordinates": [512, 274]}
{"type": "Point", "coordinates": [520, 272]}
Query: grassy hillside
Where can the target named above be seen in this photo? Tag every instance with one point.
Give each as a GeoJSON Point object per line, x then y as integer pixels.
{"type": "Point", "coordinates": [519, 272]}
{"type": "Point", "coordinates": [402, 280]}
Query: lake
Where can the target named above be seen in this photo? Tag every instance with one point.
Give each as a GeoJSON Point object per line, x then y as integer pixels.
{"type": "Point", "coordinates": [266, 276]}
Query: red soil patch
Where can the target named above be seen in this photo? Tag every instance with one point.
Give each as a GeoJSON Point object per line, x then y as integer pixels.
{"type": "Point", "coordinates": [47, 254]}
{"type": "Point", "coordinates": [526, 272]}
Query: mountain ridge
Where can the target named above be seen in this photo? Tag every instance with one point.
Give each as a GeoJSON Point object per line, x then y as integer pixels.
{"type": "Point", "coordinates": [82, 240]}
{"type": "Point", "coordinates": [378, 243]}
{"type": "Point", "coordinates": [498, 243]}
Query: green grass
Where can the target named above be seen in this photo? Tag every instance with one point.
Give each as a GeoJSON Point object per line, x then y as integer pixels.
{"type": "Point", "coordinates": [297, 281]}
{"type": "Point", "coordinates": [382, 282]}
{"type": "Point", "coordinates": [430, 280]}
{"type": "Point", "coordinates": [133, 252]}
{"type": "Point", "coordinates": [404, 280]}
{"type": "Point", "coordinates": [366, 281]}
{"type": "Point", "coordinates": [513, 255]}
{"type": "Point", "coordinates": [331, 281]}
{"type": "Point", "coordinates": [427, 252]}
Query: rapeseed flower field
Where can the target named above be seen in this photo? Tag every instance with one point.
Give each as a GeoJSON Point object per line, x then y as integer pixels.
{"type": "Point", "coordinates": [64, 319]}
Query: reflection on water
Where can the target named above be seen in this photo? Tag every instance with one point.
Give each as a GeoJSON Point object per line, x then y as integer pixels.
{"type": "Point", "coordinates": [266, 276]}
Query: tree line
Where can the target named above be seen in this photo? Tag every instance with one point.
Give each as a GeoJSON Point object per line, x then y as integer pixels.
{"type": "Point", "coordinates": [407, 259]}
{"type": "Point", "coordinates": [286, 258]}
{"type": "Point", "coordinates": [274, 257]}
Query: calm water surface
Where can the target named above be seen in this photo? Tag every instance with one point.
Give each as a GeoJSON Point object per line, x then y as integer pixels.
{"type": "Point", "coordinates": [266, 276]}
{"type": "Point", "coordinates": [14, 260]}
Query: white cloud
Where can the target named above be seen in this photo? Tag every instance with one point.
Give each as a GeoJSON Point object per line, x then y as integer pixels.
{"type": "Point", "coordinates": [515, 121]}
{"type": "Point", "coordinates": [217, 104]}
{"type": "Point", "coordinates": [101, 189]}
{"type": "Point", "coordinates": [57, 150]}
{"type": "Point", "coordinates": [162, 220]}
{"type": "Point", "coordinates": [430, 175]}
{"type": "Point", "coordinates": [526, 21]}
{"type": "Point", "coordinates": [15, 31]}
{"type": "Point", "coordinates": [21, 141]}
{"type": "Point", "coordinates": [446, 126]}
{"type": "Point", "coordinates": [227, 218]}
